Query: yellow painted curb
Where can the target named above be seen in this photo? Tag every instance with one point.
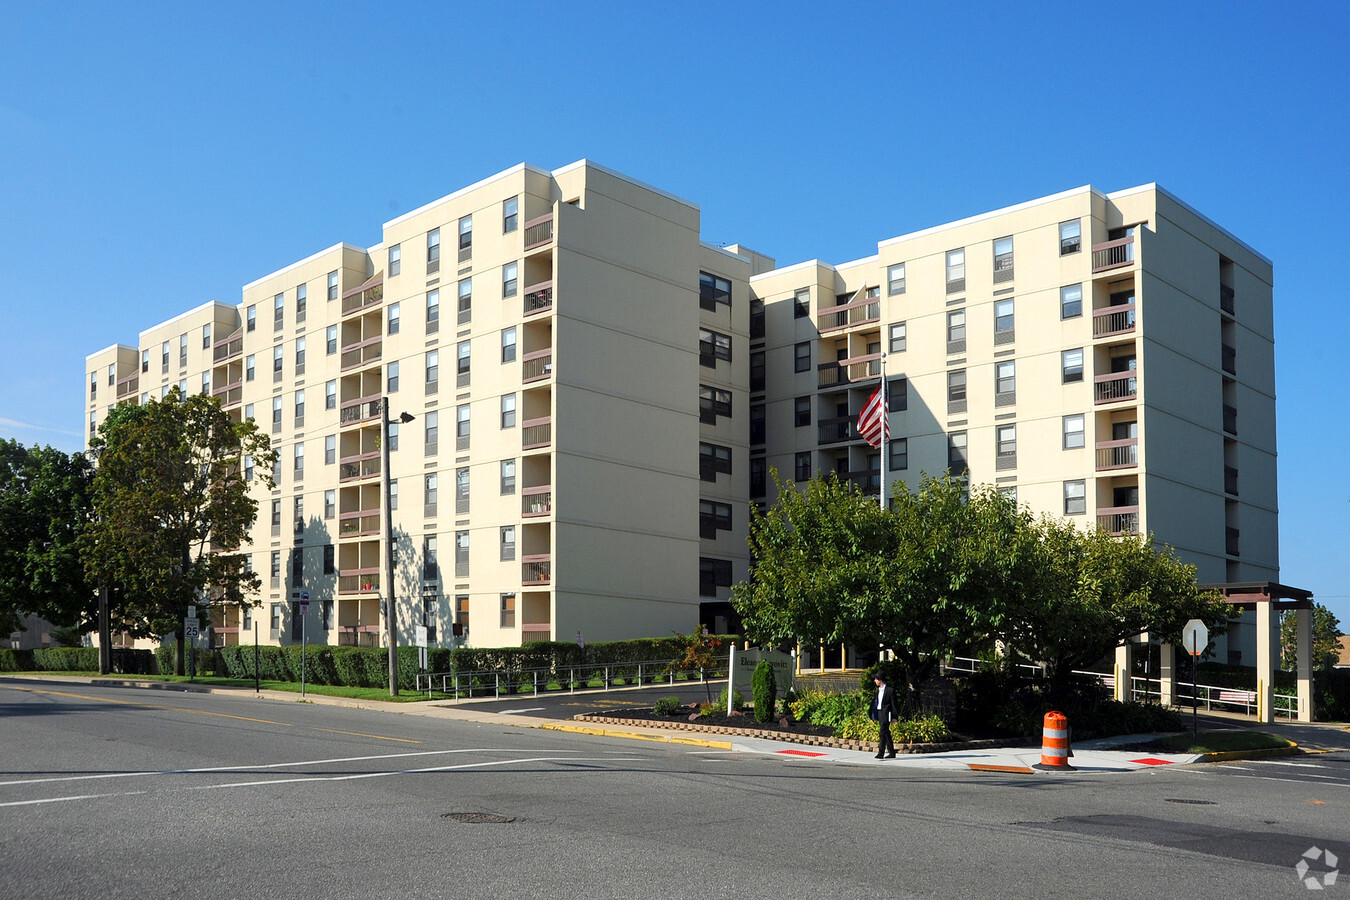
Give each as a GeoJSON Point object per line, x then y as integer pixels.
{"type": "Point", "coordinates": [633, 735]}
{"type": "Point", "coordinates": [1291, 750]}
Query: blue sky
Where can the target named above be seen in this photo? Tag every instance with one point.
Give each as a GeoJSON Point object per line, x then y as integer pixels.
{"type": "Point", "coordinates": [154, 157]}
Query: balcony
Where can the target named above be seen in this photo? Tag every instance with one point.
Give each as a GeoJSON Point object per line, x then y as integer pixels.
{"type": "Point", "coordinates": [129, 386]}
{"type": "Point", "coordinates": [360, 354]}
{"type": "Point", "coordinates": [359, 581]}
{"type": "Point", "coordinates": [358, 635]}
{"type": "Point", "coordinates": [1113, 254]}
{"type": "Point", "coordinates": [536, 569]}
{"type": "Point", "coordinates": [1118, 519]}
{"type": "Point", "coordinates": [536, 433]}
{"type": "Point", "coordinates": [862, 368]}
{"type": "Point", "coordinates": [230, 394]}
{"type": "Point", "coordinates": [362, 410]}
{"type": "Point", "coordinates": [1229, 359]}
{"type": "Point", "coordinates": [859, 312]}
{"type": "Point", "coordinates": [1112, 320]}
{"type": "Point", "coordinates": [536, 501]}
{"type": "Point", "coordinates": [228, 347]}
{"type": "Point", "coordinates": [1116, 386]}
{"type": "Point", "coordinates": [1230, 419]}
{"type": "Point", "coordinates": [364, 296]}
{"type": "Point", "coordinates": [831, 374]}
{"type": "Point", "coordinates": [538, 298]}
{"type": "Point", "coordinates": [1230, 541]}
{"type": "Point", "coordinates": [1117, 454]}
{"type": "Point", "coordinates": [1230, 478]}
{"type": "Point", "coordinates": [539, 232]}
{"type": "Point", "coordinates": [535, 631]}
{"type": "Point", "coordinates": [536, 366]}
{"type": "Point", "coordinates": [366, 465]}
{"type": "Point", "coordinates": [361, 522]}
{"type": "Point", "coordinates": [832, 431]}
{"type": "Point", "coordinates": [1226, 295]}
{"type": "Point", "coordinates": [867, 482]}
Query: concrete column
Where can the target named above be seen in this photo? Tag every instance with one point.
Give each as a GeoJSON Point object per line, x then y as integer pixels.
{"type": "Point", "coordinates": [1167, 679]}
{"type": "Point", "coordinates": [1124, 667]}
{"type": "Point", "coordinates": [1267, 658]}
{"type": "Point", "coordinates": [1303, 634]}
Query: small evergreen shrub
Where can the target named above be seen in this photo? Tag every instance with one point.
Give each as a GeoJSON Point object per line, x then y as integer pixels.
{"type": "Point", "coordinates": [764, 688]}
{"type": "Point", "coordinates": [666, 706]}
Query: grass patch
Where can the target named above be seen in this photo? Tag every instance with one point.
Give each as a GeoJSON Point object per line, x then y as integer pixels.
{"type": "Point", "coordinates": [1213, 742]}
{"type": "Point", "coordinates": [406, 695]}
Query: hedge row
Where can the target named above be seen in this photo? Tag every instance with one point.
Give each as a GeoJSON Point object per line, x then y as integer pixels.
{"type": "Point", "coordinates": [345, 666]}
{"type": "Point", "coordinates": [76, 659]}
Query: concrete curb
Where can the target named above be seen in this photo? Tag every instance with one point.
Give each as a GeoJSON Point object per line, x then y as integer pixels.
{"type": "Point", "coordinates": [1224, 755]}
{"type": "Point", "coordinates": [637, 735]}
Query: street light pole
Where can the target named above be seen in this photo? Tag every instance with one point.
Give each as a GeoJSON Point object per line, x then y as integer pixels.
{"type": "Point", "coordinates": [387, 577]}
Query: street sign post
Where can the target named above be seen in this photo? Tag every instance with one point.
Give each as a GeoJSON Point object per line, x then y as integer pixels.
{"type": "Point", "coordinates": [1195, 638]}
{"type": "Point", "coordinates": [304, 615]}
{"type": "Point", "coordinates": [191, 628]}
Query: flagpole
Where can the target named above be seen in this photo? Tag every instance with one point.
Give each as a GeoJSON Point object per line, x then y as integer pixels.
{"type": "Point", "coordinates": [885, 427]}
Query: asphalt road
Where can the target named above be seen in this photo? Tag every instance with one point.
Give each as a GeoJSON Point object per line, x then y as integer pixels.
{"type": "Point", "coordinates": [115, 792]}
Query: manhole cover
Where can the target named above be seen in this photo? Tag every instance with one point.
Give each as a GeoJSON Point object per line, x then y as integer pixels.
{"type": "Point", "coordinates": [1191, 802]}
{"type": "Point", "coordinates": [479, 818]}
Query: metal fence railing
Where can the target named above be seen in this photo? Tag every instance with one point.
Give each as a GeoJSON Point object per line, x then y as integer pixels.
{"type": "Point", "coordinates": [569, 679]}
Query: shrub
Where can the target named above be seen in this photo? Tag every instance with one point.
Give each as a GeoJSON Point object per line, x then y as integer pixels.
{"type": "Point", "coordinates": [720, 707]}
{"type": "Point", "coordinates": [666, 706]}
{"type": "Point", "coordinates": [919, 730]}
{"type": "Point", "coordinates": [830, 710]}
{"type": "Point", "coordinates": [764, 688]}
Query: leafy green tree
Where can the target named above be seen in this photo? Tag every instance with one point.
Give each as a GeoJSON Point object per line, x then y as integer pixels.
{"type": "Point", "coordinates": [168, 485]}
{"type": "Point", "coordinates": [44, 508]}
{"type": "Point", "coordinates": [698, 650]}
{"type": "Point", "coordinates": [1326, 639]}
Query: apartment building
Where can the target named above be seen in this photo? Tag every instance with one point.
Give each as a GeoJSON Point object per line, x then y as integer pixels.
{"type": "Point", "coordinates": [594, 396]}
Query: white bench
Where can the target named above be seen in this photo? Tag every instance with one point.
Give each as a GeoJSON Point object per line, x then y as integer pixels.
{"type": "Point", "coordinates": [1246, 698]}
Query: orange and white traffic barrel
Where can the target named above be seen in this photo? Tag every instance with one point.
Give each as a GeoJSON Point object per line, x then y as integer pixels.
{"type": "Point", "coordinates": [1055, 743]}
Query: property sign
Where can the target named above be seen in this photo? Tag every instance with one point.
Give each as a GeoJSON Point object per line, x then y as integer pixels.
{"type": "Point", "coordinates": [743, 672]}
{"type": "Point", "coordinates": [1195, 637]}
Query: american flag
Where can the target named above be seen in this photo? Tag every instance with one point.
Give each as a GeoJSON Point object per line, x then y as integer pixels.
{"type": "Point", "coordinates": [872, 423]}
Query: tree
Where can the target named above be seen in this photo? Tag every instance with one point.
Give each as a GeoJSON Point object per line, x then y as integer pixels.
{"type": "Point", "coordinates": [169, 487]}
{"type": "Point", "coordinates": [44, 508]}
{"type": "Point", "coordinates": [1326, 639]}
{"type": "Point", "coordinates": [698, 650]}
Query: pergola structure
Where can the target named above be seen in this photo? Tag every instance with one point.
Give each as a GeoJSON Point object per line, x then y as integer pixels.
{"type": "Point", "coordinates": [1268, 599]}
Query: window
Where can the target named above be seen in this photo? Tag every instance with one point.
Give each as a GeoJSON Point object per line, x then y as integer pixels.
{"type": "Point", "coordinates": [249, 367]}
{"type": "Point", "coordinates": [276, 518]}
{"type": "Point", "coordinates": [1075, 498]}
{"type": "Point", "coordinates": [759, 476]}
{"type": "Point", "coordinates": [395, 260]}
{"type": "Point", "coordinates": [508, 542]}
{"type": "Point", "coordinates": [465, 238]}
{"type": "Point", "coordinates": [1006, 438]}
{"type": "Point", "coordinates": [1003, 260]}
{"type": "Point", "coordinates": [329, 449]}
{"type": "Point", "coordinates": [461, 554]}
{"type": "Point", "coordinates": [1074, 435]}
{"type": "Point", "coordinates": [278, 311]}
{"type": "Point", "coordinates": [299, 408]}
{"type": "Point", "coordinates": [895, 279]}
{"type": "Point", "coordinates": [462, 427]}
{"type": "Point", "coordinates": [462, 358]}
{"type": "Point", "coordinates": [164, 358]}
{"type": "Point", "coordinates": [393, 493]}
{"type": "Point", "coordinates": [712, 518]}
{"type": "Point", "coordinates": [1070, 237]}
{"type": "Point", "coordinates": [330, 394]}
{"type": "Point", "coordinates": [956, 391]}
{"type": "Point", "coordinates": [1003, 322]}
{"type": "Point", "coordinates": [801, 304]}
{"type": "Point", "coordinates": [956, 331]}
{"type": "Point", "coordinates": [508, 608]}
{"type": "Point", "coordinates": [756, 318]}
{"type": "Point", "coordinates": [956, 453]}
{"type": "Point", "coordinates": [713, 402]}
{"type": "Point", "coordinates": [713, 458]}
{"type": "Point", "coordinates": [391, 378]}
{"type": "Point", "coordinates": [801, 357]}
{"type": "Point", "coordinates": [508, 477]}
{"type": "Point", "coordinates": [93, 385]}
{"type": "Point", "coordinates": [757, 372]}
{"type": "Point", "coordinates": [801, 412]}
{"type": "Point", "coordinates": [395, 315]}
{"type": "Point", "coordinates": [1070, 301]}
{"type": "Point", "coordinates": [278, 362]}
{"type": "Point", "coordinates": [713, 290]}
{"type": "Point", "coordinates": [430, 494]}
{"type": "Point", "coordinates": [757, 423]}
{"type": "Point", "coordinates": [897, 395]}
{"type": "Point", "coordinates": [898, 337]}
{"type": "Point", "coordinates": [433, 251]}
{"type": "Point", "coordinates": [898, 449]}
{"type": "Point", "coordinates": [461, 624]}
{"type": "Point", "coordinates": [276, 607]}
{"type": "Point", "coordinates": [510, 215]}
{"type": "Point", "coordinates": [332, 285]}
{"type": "Point", "coordinates": [112, 375]}
{"type": "Point", "coordinates": [802, 466]}
{"type": "Point", "coordinates": [713, 574]}
{"type": "Point", "coordinates": [248, 467]}
{"type": "Point", "coordinates": [465, 309]}
{"type": "Point", "coordinates": [145, 361]}
{"type": "Point", "coordinates": [182, 350]}
{"type": "Point", "coordinates": [299, 356]}
{"type": "Point", "coordinates": [509, 281]}
{"type": "Point", "coordinates": [299, 454]}
{"type": "Point", "coordinates": [1005, 383]}
{"type": "Point", "coordinates": [462, 490]}
{"type": "Point", "coordinates": [393, 436]}
{"type": "Point", "coordinates": [330, 340]}
{"type": "Point", "coordinates": [206, 382]}
{"type": "Point", "coordinates": [713, 346]}
{"type": "Point", "coordinates": [1071, 363]}
{"type": "Point", "coordinates": [433, 371]}
{"type": "Point", "coordinates": [508, 410]}
{"type": "Point", "coordinates": [956, 271]}
{"type": "Point", "coordinates": [276, 414]}
{"type": "Point", "coordinates": [431, 424]}
{"type": "Point", "coordinates": [508, 344]}
{"type": "Point", "coordinates": [276, 468]}
{"type": "Point", "coordinates": [433, 311]}
{"type": "Point", "coordinates": [275, 572]}
{"type": "Point", "coordinates": [298, 513]}
{"type": "Point", "coordinates": [251, 316]}
{"type": "Point", "coordinates": [329, 563]}
{"type": "Point", "coordinates": [301, 298]}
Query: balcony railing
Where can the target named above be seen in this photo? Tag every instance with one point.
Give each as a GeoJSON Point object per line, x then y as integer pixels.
{"type": "Point", "coordinates": [366, 465]}
{"type": "Point", "coordinates": [1112, 254]}
{"type": "Point", "coordinates": [536, 569]}
{"type": "Point", "coordinates": [536, 366]}
{"type": "Point", "coordinates": [859, 312]}
{"type": "Point", "coordinates": [1230, 476]}
{"type": "Point", "coordinates": [1116, 386]}
{"type": "Point", "coordinates": [1118, 519]}
{"type": "Point", "coordinates": [129, 386]}
{"type": "Point", "coordinates": [363, 297]}
{"type": "Point", "coordinates": [867, 482]}
{"type": "Point", "coordinates": [539, 232]}
{"type": "Point", "coordinates": [1229, 359]}
{"type": "Point", "coordinates": [1111, 320]}
{"type": "Point", "coordinates": [832, 431]}
{"type": "Point", "coordinates": [361, 522]}
{"type": "Point", "coordinates": [831, 374]}
{"type": "Point", "coordinates": [536, 433]}
{"type": "Point", "coordinates": [536, 501]}
{"type": "Point", "coordinates": [230, 394]}
{"type": "Point", "coordinates": [359, 581]}
{"type": "Point", "coordinates": [228, 347]}
{"type": "Point", "coordinates": [1117, 454]}
{"type": "Point", "coordinates": [538, 297]}
{"type": "Point", "coordinates": [1230, 419]}
{"type": "Point", "coordinates": [361, 410]}
{"type": "Point", "coordinates": [362, 353]}
{"type": "Point", "coordinates": [862, 368]}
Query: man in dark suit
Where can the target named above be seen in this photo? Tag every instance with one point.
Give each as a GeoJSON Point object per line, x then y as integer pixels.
{"type": "Point", "coordinates": [884, 711]}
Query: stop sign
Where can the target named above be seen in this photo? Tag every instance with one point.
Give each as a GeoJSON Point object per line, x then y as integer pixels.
{"type": "Point", "coordinates": [1195, 637]}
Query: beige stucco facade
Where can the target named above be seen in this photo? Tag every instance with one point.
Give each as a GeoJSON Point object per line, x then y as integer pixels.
{"type": "Point", "coordinates": [598, 396]}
